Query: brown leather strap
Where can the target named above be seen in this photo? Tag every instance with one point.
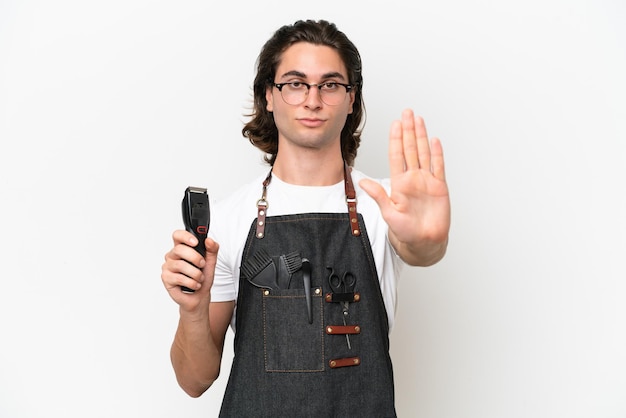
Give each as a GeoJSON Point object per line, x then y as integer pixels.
{"type": "Point", "coordinates": [343, 297]}
{"type": "Point", "coordinates": [344, 362]}
{"type": "Point", "coordinates": [262, 206]}
{"type": "Point", "coordinates": [342, 329]}
{"type": "Point", "coordinates": [351, 201]}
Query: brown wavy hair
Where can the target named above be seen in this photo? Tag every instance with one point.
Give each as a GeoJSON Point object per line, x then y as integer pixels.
{"type": "Point", "coordinates": [261, 130]}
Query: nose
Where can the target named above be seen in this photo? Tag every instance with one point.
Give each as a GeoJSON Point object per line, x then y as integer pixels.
{"type": "Point", "coordinates": [313, 98]}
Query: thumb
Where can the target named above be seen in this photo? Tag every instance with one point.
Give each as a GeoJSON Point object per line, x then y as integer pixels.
{"type": "Point", "coordinates": [212, 248]}
{"type": "Point", "coordinates": [376, 192]}
{"type": "Point", "coordinates": [208, 270]}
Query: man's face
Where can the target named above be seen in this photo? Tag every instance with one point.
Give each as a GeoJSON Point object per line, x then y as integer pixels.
{"type": "Point", "coordinates": [312, 123]}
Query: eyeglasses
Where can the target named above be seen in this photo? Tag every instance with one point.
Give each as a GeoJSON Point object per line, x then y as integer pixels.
{"type": "Point", "coordinates": [296, 92]}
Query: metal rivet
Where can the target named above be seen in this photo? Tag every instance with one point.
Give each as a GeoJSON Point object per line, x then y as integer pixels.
{"type": "Point", "coordinates": [260, 235]}
{"type": "Point", "coordinates": [357, 297]}
{"type": "Point", "coordinates": [260, 222]}
{"type": "Point", "coordinates": [262, 212]}
{"type": "Point", "coordinates": [318, 291]}
{"type": "Point", "coordinates": [329, 330]}
{"type": "Point", "coordinates": [333, 363]}
{"type": "Point", "coordinates": [357, 329]}
{"type": "Point", "coordinates": [328, 298]}
{"type": "Point", "coordinates": [356, 361]}
{"type": "Point", "coordinates": [266, 292]}
{"type": "Point", "coordinates": [356, 232]}
{"type": "Point", "coordinates": [353, 220]}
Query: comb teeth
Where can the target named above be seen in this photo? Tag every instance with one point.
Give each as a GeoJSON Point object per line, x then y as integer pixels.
{"type": "Point", "coordinates": [292, 261]}
{"type": "Point", "coordinates": [255, 264]}
{"type": "Point", "coordinates": [289, 264]}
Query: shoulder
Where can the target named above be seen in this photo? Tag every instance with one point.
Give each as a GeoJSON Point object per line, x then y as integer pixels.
{"type": "Point", "coordinates": [240, 203]}
{"type": "Point", "coordinates": [231, 215]}
{"type": "Point", "coordinates": [241, 195]}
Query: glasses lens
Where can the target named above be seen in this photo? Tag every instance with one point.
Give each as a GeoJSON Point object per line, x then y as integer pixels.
{"type": "Point", "coordinates": [294, 93]}
{"type": "Point", "coordinates": [330, 93]}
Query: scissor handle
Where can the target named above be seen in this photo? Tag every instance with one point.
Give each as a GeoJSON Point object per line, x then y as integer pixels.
{"type": "Point", "coordinates": [341, 285]}
{"type": "Point", "coordinates": [349, 280]}
{"type": "Point", "coordinates": [333, 280]}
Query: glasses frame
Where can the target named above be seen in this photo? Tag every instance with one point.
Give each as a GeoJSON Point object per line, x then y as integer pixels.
{"type": "Point", "coordinates": [319, 86]}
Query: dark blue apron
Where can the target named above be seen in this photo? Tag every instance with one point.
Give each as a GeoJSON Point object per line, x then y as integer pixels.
{"type": "Point", "coordinates": [294, 357]}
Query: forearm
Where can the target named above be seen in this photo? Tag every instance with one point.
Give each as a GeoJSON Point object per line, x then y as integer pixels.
{"type": "Point", "coordinates": [195, 355]}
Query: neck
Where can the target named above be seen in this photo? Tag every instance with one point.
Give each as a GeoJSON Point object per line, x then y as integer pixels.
{"type": "Point", "coordinates": [309, 169]}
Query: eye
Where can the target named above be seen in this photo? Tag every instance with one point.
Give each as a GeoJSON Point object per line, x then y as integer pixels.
{"type": "Point", "coordinates": [329, 86]}
{"type": "Point", "coordinates": [296, 85]}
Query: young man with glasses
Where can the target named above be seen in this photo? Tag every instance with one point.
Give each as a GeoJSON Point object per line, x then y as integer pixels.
{"type": "Point", "coordinates": [309, 255]}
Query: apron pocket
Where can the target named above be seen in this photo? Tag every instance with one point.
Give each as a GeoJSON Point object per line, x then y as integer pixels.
{"type": "Point", "coordinates": [291, 344]}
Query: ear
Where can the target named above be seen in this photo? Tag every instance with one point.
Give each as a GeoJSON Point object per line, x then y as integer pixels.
{"type": "Point", "coordinates": [269, 97]}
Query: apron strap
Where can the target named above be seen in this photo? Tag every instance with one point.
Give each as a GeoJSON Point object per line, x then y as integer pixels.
{"type": "Point", "coordinates": [262, 204]}
{"type": "Point", "coordinates": [351, 201]}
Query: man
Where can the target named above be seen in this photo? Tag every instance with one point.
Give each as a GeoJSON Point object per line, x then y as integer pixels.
{"type": "Point", "coordinates": [308, 255]}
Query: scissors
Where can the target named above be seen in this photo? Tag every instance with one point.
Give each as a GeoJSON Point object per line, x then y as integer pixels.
{"type": "Point", "coordinates": [345, 284]}
{"type": "Point", "coordinates": [344, 288]}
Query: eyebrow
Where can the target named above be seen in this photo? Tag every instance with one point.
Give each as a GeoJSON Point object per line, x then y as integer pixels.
{"type": "Point", "coordinates": [296, 73]}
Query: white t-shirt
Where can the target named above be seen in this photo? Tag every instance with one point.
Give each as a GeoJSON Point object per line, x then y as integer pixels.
{"type": "Point", "coordinates": [231, 219]}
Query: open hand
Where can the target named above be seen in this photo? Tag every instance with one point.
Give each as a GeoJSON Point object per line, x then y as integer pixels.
{"type": "Point", "coordinates": [417, 210]}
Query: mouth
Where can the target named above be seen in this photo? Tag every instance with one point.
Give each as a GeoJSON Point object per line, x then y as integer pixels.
{"type": "Point", "coordinates": [311, 122]}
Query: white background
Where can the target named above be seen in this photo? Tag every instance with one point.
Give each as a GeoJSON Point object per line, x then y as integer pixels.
{"type": "Point", "coordinates": [108, 110]}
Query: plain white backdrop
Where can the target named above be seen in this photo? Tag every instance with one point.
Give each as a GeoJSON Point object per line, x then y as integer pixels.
{"type": "Point", "coordinates": [108, 110]}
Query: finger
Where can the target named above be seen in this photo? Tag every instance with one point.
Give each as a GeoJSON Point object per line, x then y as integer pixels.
{"type": "Point", "coordinates": [188, 254]}
{"type": "Point", "coordinates": [396, 154]}
{"type": "Point", "coordinates": [423, 146]}
{"type": "Point", "coordinates": [180, 236]}
{"type": "Point", "coordinates": [211, 246]}
{"type": "Point", "coordinates": [212, 249]}
{"type": "Point", "coordinates": [178, 273]}
{"type": "Point", "coordinates": [409, 144]}
{"type": "Point", "coordinates": [189, 282]}
{"type": "Point", "coordinates": [437, 163]}
{"type": "Point", "coordinates": [377, 192]}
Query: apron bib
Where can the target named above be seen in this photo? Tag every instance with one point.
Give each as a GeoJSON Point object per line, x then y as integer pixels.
{"type": "Point", "coordinates": [304, 347]}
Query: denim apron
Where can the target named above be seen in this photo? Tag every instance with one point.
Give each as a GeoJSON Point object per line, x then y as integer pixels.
{"type": "Point", "coordinates": [297, 353]}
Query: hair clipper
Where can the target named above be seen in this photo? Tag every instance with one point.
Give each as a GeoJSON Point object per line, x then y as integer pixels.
{"type": "Point", "coordinates": [196, 216]}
